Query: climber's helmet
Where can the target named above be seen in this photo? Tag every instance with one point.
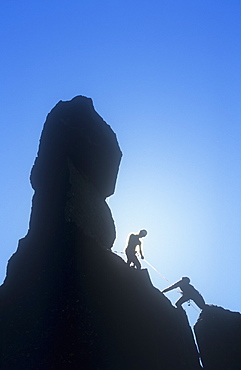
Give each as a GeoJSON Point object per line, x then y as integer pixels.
{"type": "Point", "coordinates": [186, 280]}
{"type": "Point", "coordinates": [142, 233]}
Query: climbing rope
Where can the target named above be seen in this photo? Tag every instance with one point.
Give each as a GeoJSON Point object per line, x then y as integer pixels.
{"type": "Point", "coordinates": [179, 291]}
{"type": "Point", "coordinates": [157, 271]}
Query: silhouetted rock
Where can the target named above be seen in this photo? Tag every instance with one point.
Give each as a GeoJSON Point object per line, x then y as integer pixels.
{"type": "Point", "coordinates": [218, 333]}
{"type": "Point", "coordinates": [68, 302]}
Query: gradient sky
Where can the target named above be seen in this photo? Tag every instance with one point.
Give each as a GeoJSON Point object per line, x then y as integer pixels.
{"type": "Point", "coordinates": [165, 75]}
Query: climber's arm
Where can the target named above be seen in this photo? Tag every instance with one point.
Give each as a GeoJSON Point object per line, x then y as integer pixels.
{"type": "Point", "coordinates": [173, 286]}
{"type": "Point", "coordinates": [141, 252]}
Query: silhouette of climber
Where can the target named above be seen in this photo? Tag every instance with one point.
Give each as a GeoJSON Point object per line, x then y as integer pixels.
{"type": "Point", "coordinates": [131, 249]}
{"type": "Point", "coordinates": [188, 292]}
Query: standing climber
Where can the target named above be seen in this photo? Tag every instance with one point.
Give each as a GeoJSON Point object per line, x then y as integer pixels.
{"type": "Point", "coordinates": [188, 292]}
{"type": "Point", "coordinates": [131, 249]}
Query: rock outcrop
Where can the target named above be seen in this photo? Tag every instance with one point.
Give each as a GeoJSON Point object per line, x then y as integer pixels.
{"type": "Point", "coordinates": [67, 301]}
{"type": "Point", "coordinates": [218, 333]}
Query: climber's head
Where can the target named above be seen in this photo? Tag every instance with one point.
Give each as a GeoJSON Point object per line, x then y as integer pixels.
{"type": "Point", "coordinates": [185, 280]}
{"type": "Point", "coordinates": [142, 233]}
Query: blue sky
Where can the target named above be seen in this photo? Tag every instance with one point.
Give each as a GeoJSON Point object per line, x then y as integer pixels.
{"type": "Point", "coordinates": [166, 76]}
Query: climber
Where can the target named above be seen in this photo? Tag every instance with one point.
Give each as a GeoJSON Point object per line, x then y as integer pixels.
{"type": "Point", "coordinates": [188, 292]}
{"type": "Point", "coordinates": [131, 249]}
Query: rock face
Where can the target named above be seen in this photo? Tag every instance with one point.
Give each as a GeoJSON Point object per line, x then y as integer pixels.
{"type": "Point", "coordinates": [218, 333]}
{"type": "Point", "coordinates": [68, 302]}
{"type": "Point", "coordinates": [76, 169]}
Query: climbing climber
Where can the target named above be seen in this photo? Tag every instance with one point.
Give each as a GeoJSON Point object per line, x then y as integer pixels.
{"type": "Point", "coordinates": [131, 249]}
{"type": "Point", "coordinates": [188, 292]}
